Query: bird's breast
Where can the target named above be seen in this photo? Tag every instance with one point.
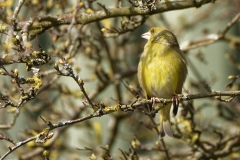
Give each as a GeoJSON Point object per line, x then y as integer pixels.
{"type": "Point", "coordinates": [159, 76]}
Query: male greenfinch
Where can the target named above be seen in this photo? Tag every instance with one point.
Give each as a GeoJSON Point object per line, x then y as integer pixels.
{"type": "Point", "coordinates": [162, 71]}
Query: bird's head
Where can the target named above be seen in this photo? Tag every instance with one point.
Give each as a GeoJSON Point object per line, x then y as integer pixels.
{"type": "Point", "coordinates": [160, 35]}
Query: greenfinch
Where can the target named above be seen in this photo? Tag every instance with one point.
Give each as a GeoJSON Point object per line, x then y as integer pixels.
{"type": "Point", "coordinates": [162, 70]}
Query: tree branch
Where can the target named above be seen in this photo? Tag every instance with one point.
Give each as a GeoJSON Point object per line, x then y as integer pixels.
{"type": "Point", "coordinates": [47, 22]}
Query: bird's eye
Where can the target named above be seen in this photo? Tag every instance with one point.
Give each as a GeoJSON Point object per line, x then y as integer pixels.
{"type": "Point", "coordinates": [152, 31]}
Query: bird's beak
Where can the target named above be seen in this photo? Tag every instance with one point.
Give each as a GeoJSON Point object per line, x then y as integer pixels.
{"type": "Point", "coordinates": [146, 35]}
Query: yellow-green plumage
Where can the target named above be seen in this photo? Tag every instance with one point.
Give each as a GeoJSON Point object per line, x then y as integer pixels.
{"type": "Point", "coordinates": [162, 71]}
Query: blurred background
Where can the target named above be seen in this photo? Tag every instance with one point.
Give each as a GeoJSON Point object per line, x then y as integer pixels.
{"type": "Point", "coordinates": [105, 54]}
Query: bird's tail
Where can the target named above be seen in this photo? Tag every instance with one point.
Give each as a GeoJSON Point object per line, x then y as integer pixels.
{"type": "Point", "coordinates": [165, 125]}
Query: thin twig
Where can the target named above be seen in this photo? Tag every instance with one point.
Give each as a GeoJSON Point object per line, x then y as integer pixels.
{"type": "Point", "coordinates": [17, 9]}
{"type": "Point", "coordinates": [210, 38]}
{"type": "Point", "coordinates": [230, 24]}
{"type": "Point", "coordinates": [19, 144]}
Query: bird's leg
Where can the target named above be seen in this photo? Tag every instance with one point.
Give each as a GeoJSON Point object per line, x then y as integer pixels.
{"type": "Point", "coordinates": [175, 104]}
{"type": "Point", "coordinates": [151, 107]}
{"type": "Point", "coordinates": [153, 99]}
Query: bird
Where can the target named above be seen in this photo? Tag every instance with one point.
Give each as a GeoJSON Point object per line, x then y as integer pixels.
{"type": "Point", "coordinates": [162, 71]}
